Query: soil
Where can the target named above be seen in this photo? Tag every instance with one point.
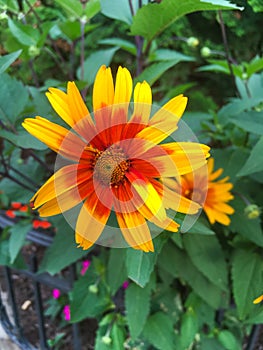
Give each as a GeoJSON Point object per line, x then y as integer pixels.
{"type": "Point", "coordinates": [24, 293]}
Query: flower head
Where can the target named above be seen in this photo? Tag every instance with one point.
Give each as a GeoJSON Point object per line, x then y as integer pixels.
{"type": "Point", "coordinates": [213, 195]}
{"type": "Point", "coordinates": [66, 312]}
{"type": "Point", "coordinates": [85, 266]}
{"type": "Point", "coordinates": [56, 293]}
{"type": "Point", "coordinates": [118, 161]}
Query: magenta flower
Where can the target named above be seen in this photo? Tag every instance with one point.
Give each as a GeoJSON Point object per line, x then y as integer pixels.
{"type": "Point", "coordinates": [66, 312]}
{"type": "Point", "coordinates": [125, 284]}
{"type": "Point", "coordinates": [85, 266]}
{"type": "Point", "coordinates": [56, 293]}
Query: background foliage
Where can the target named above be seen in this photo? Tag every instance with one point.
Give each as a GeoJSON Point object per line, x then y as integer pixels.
{"type": "Point", "coordinates": [197, 290]}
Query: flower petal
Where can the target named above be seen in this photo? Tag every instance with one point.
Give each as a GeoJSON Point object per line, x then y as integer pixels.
{"type": "Point", "coordinates": [93, 217]}
{"type": "Point", "coordinates": [55, 137]}
{"type": "Point", "coordinates": [142, 103]}
{"type": "Point", "coordinates": [103, 89]}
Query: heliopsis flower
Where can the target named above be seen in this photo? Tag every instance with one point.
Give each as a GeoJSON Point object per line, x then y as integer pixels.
{"type": "Point", "coordinates": [212, 195]}
{"type": "Point", "coordinates": [118, 160]}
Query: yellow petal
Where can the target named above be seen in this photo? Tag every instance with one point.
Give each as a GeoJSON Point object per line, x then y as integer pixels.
{"type": "Point", "coordinates": [147, 193]}
{"type": "Point", "coordinates": [103, 89]}
{"type": "Point", "coordinates": [123, 86]}
{"type": "Point", "coordinates": [55, 137]}
{"type": "Point", "coordinates": [164, 122]}
{"type": "Point", "coordinates": [92, 218]}
{"type": "Point", "coordinates": [142, 103]}
{"type": "Point", "coordinates": [258, 300]}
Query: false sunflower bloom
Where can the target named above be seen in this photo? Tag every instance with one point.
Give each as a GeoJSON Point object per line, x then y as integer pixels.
{"type": "Point", "coordinates": [117, 160]}
{"type": "Point", "coordinates": [209, 192]}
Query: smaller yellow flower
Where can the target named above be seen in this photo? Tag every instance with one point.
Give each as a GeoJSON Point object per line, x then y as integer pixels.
{"type": "Point", "coordinates": [212, 195]}
{"type": "Point", "coordinates": [258, 300]}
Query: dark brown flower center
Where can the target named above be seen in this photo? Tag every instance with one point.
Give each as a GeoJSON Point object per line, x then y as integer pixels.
{"type": "Point", "coordinates": [111, 165]}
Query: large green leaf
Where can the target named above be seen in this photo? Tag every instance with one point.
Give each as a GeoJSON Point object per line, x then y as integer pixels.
{"type": "Point", "coordinates": [178, 264]}
{"type": "Point", "coordinates": [247, 280]}
{"type": "Point", "coordinates": [250, 122]}
{"type": "Point", "coordinates": [71, 7]}
{"type": "Point", "coordinates": [153, 19]}
{"type": "Point", "coordinates": [137, 304]}
{"type": "Point", "coordinates": [254, 163]}
{"type": "Point", "coordinates": [63, 250]}
{"type": "Point", "coordinates": [159, 331]}
{"type": "Point", "coordinates": [25, 34]}
{"type": "Point", "coordinates": [116, 270]}
{"type": "Point", "coordinates": [93, 63]}
{"type": "Point", "coordinates": [248, 228]}
{"type": "Point", "coordinates": [140, 265]}
{"type": "Point", "coordinates": [13, 98]}
{"type": "Point", "coordinates": [7, 60]}
{"type": "Point", "coordinates": [17, 238]}
{"type": "Point", "coordinates": [228, 340]}
{"type": "Point", "coordinates": [207, 255]}
{"type": "Point", "coordinates": [124, 44]}
{"type": "Point", "coordinates": [117, 9]}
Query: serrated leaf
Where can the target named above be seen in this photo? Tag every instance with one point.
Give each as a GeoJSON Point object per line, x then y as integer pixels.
{"type": "Point", "coordinates": [7, 60]}
{"type": "Point", "coordinates": [140, 265]}
{"type": "Point", "coordinates": [253, 164]}
{"type": "Point", "coordinates": [207, 255]}
{"type": "Point", "coordinates": [116, 270]}
{"type": "Point", "coordinates": [154, 18]}
{"type": "Point", "coordinates": [178, 264]}
{"type": "Point", "coordinates": [17, 238]}
{"type": "Point", "coordinates": [63, 250]}
{"type": "Point", "coordinates": [250, 122]}
{"type": "Point", "coordinates": [159, 331]}
{"type": "Point", "coordinates": [137, 304]}
{"type": "Point", "coordinates": [247, 280]}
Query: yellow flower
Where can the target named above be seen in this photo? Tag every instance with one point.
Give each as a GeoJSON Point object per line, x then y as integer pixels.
{"type": "Point", "coordinates": [212, 195]}
{"type": "Point", "coordinates": [117, 160]}
{"type": "Point", "coordinates": [258, 300]}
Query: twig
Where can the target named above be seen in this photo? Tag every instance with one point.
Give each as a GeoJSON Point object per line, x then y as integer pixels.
{"type": "Point", "coordinates": [225, 42]}
{"type": "Point", "coordinates": [40, 161]}
{"type": "Point", "coordinates": [82, 47]}
{"type": "Point", "coordinates": [34, 75]}
{"type": "Point", "coordinates": [24, 176]}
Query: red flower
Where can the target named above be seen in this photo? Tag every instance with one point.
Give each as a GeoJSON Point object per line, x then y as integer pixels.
{"type": "Point", "coordinates": [16, 205]}
{"type": "Point", "coordinates": [10, 214]}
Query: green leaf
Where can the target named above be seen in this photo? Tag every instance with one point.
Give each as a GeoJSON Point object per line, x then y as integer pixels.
{"type": "Point", "coordinates": [17, 238]}
{"type": "Point", "coordinates": [201, 227]}
{"type": "Point", "coordinates": [247, 280]}
{"type": "Point", "coordinates": [140, 265]}
{"type": "Point", "coordinates": [155, 71]}
{"type": "Point", "coordinates": [124, 44]}
{"type": "Point", "coordinates": [159, 331]}
{"type": "Point", "coordinates": [228, 340]}
{"type": "Point", "coordinates": [13, 98]}
{"type": "Point", "coordinates": [189, 328]}
{"type": "Point", "coordinates": [116, 270]}
{"type": "Point", "coordinates": [250, 229]}
{"type": "Point", "coordinates": [25, 34]}
{"type": "Point", "coordinates": [92, 7]}
{"type": "Point", "coordinates": [255, 65]}
{"type": "Point", "coordinates": [7, 60]}
{"type": "Point", "coordinates": [169, 55]}
{"type": "Point", "coordinates": [117, 10]}
{"type": "Point", "coordinates": [23, 140]}
{"type": "Point", "coordinates": [178, 264]}
{"type": "Point", "coordinates": [208, 343]}
{"type": "Point", "coordinates": [153, 19]}
{"type": "Point", "coordinates": [250, 122]}
{"type": "Point", "coordinates": [63, 250]}
{"type": "Point", "coordinates": [137, 304]}
{"type": "Point", "coordinates": [85, 303]}
{"type": "Point", "coordinates": [94, 62]}
{"type": "Point", "coordinates": [71, 7]}
{"type": "Point", "coordinates": [207, 255]}
{"type": "Point", "coordinates": [73, 29]}
{"type": "Point", "coordinates": [253, 164]}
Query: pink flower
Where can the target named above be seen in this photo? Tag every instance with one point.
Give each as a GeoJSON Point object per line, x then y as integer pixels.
{"type": "Point", "coordinates": [66, 312]}
{"type": "Point", "coordinates": [125, 284]}
{"type": "Point", "coordinates": [85, 266]}
{"type": "Point", "coordinates": [56, 293]}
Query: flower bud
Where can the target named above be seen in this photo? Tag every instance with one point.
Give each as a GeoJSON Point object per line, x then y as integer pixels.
{"type": "Point", "coordinates": [106, 340]}
{"type": "Point", "coordinates": [93, 288]}
{"type": "Point", "coordinates": [252, 211]}
{"type": "Point", "coordinates": [33, 51]}
{"type": "Point", "coordinates": [192, 41]}
{"type": "Point", "coordinates": [205, 51]}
